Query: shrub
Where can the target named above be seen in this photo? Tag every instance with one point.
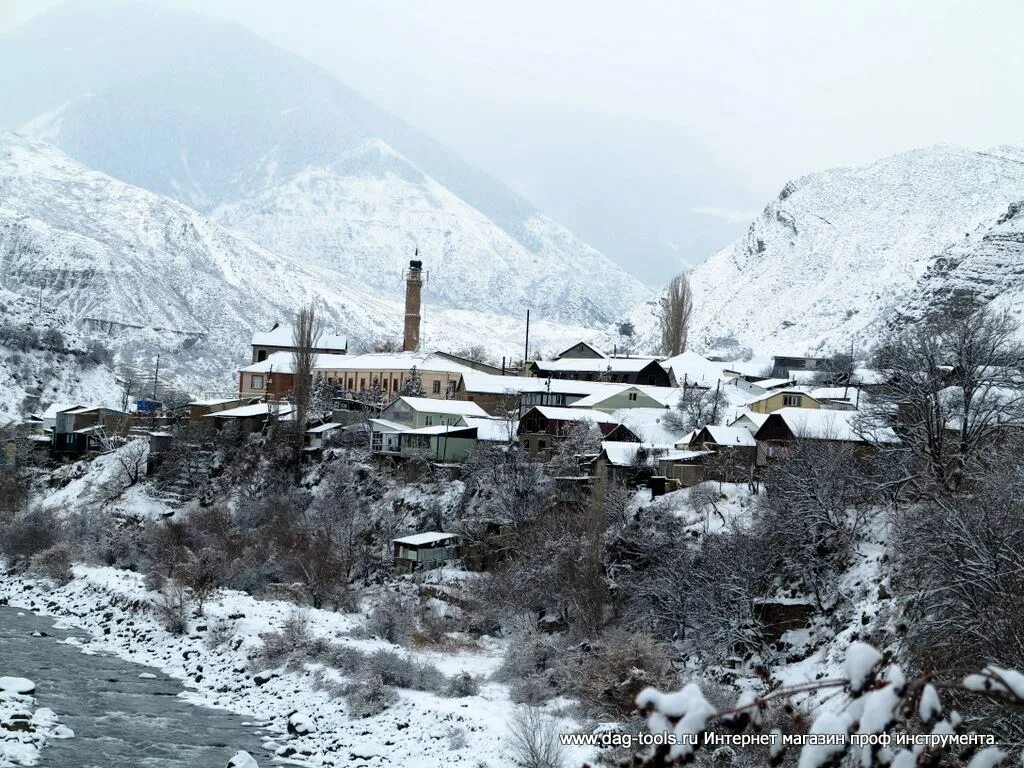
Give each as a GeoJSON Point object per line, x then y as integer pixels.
{"type": "Point", "coordinates": [533, 739]}
{"type": "Point", "coordinates": [369, 698]}
{"type": "Point", "coordinates": [462, 684]}
{"type": "Point", "coordinates": [613, 675]}
{"type": "Point", "coordinates": [54, 563]}
{"type": "Point", "coordinates": [401, 672]}
{"type": "Point", "coordinates": [173, 607]}
{"type": "Point", "coordinates": [29, 533]}
{"type": "Point", "coordinates": [393, 619]}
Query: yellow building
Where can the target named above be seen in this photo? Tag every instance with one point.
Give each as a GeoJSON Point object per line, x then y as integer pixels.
{"type": "Point", "coordinates": [777, 399]}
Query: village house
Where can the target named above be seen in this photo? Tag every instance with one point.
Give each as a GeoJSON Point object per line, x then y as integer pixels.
{"type": "Point", "coordinates": [691, 369]}
{"type": "Point", "coordinates": [542, 426]}
{"type": "Point", "coordinates": [426, 412]}
{"type": "Point", "coordinates": [251, 418]}
{"type": "Point", "coordinates": [622, 370]}
{"type": "Point", "coordinates": [785, 426]}
{"type": "Point", "coordinates": [777, 399]}
{"type": "Point", "coordinates": [197, 409]}
{"type": "Point", "coordinates": [425, 550]}
{"type": "Point", "coordinates": [683, 468]}
{"type": "Point", "coordinates": [88, 428]}
{"type": "Point", "coordinates": [748, 420]}
{"type": "Point", "coordinates": [498, 395]}
{"type": "Point", "coordinates": [616, 397]}
{"type": "Point", "coordinates": [388, 372]}
{"type": "Point", "coordinates": [624, 463]}
{"type": "Point", "coordinates": [735, 451]}
{"type": "Point", "coordinates": [281, 338]}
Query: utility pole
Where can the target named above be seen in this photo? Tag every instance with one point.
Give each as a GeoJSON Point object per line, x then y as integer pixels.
{"type": "Point", "coordinates": [526, 350]}
{"type": "Point", "coordinates": [156, 376]}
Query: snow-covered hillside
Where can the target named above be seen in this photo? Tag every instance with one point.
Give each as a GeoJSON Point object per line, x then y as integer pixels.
{"type": "Point", "coordinates": [839, 253]}
{"type": "Point", "coordinates": [149, 275]}
{"type": "Point", "coordinates": [293, 158]}
{"type": "Point", "coordinates": [44, 360]}
{"type": "Point", "coordinates": [367, 213]}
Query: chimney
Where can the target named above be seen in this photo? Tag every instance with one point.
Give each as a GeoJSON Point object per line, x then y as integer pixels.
{"type": "Point", "coordinates": [413, 291]}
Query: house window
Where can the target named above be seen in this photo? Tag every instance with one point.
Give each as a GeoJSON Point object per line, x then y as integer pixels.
{"type": "Point", "coordinates": [428, 421]}
{"type": "Point", "coordinates": [255, 382]}
{"type": "Point", "coordinates": [792, 400]}
{"type": "Point", "coordinates": [362, 383]}
{"type": "Point", "coordinates": [394, 384]}
{"type": "Point", "coordinates": [261, 356]}
{"type": "Point", "coordinates": [351, 383]}
{"type": "Point", "coordinates": [632, 395]}
{"type": "Point", "coordinates": [376, 441]}
{"type": "Point", "coordinates": [437, 387]}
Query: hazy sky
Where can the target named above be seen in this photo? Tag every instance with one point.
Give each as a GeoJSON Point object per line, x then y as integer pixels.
{"type": "Point", "coordinates": [768, 90]}
{"type": "Point", "coordinates": [773, 89]}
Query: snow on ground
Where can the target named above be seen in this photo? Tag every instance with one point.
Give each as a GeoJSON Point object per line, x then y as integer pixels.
{"type": "Point", "coordinates": [25, 730]}
{"type": "Point", "coordinates": [421, 729]}
{"type": "Point", "coordinates": [732, 505]}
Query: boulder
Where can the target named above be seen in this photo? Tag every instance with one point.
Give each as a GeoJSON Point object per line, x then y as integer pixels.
{"type": "Point", "coordinates": [20, 685]}
{"type": "Point", "coordinates": [242, 759]}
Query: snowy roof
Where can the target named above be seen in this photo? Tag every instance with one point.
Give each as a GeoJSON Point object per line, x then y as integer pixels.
{"type": "Point", "coordinates": [430, 537]}
{"type": "Point", "coordinates": [735, 436]}
{"type": "Point", "coordinates": [436, 429]}
{"type": "Point", "coordinates": [589, 364]}
{"type": "Point", "coordinates": [390, 361]}
{"type": "Point", "coordinates": [214, 401]}
{"type": "Point", "coordinates": [248, 411]}
{"type": "Point", "coordinates": [385, 425]}
{"type": "Point", "coordinates": [449, 407]}
{"type": "Point", "coordinates": [757, 418]}
{"type": "Point", "coordinates": [53, 410]}
{"type": "Point", "coordinates": [683, 455]}
{"type": "Point", "coordinates": [325, 427]}
{"type": "Point", "coordinates": [586, 344]}
{"type": "Point", "coordinates": [815, 424]}
{"type": "Point", "coordinates": [276, 362]}
{"type": "Point", "coordinates": [648, 424]}
{"type": "Point", "coordinates": [574, 414]}
{"type": "Point", "coordinates": [617, 389]}
{"type": "Point", "coordinates": [492, 430]}
{"type": "Point", "coordinates": [695, 369]}
{"type": "Point", "coordinates": [772, 383]}
{"type": "Point", "coordinates": [282, 336]}
{"type": "Point", "coordinates": [835, 393]}
{"type": "Point", "coordinates": [477, 381]}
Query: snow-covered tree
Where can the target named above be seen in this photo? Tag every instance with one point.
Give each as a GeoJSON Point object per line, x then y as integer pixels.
{"type": "Point", "coordinates": [413, 386]}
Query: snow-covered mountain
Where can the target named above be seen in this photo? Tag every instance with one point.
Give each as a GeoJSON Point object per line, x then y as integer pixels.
{"type": "Point", "coordinates": [147, 274]}
{"type": "Point", "coordinates": [285, 153]}
{"type": "Point", "coordinates": [367, 212]}
{"type": "Point", "coordinates": [838, 254]}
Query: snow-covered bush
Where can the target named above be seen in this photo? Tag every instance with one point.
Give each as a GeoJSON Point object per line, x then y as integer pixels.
{"type": "Point", "coordinates": [886, 719]}
{"type": "Point", "coordinates": [617, 669]}
{"type": "Point", "coordinates": [462, 684]}
{"type": "Point", "coordinates": [54, 563]}
{"type": "Point", "coordinates": [174, 607]}
{"type": "Point", "coordinates": [392, 618]}
{"type": "Point", "coordinates": [29, 533]}
{"type": "Point", "coordinates": [369, 697]}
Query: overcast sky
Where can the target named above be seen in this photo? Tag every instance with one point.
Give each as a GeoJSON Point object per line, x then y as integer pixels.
{"type": "Point", "coordinates": [768, 90]}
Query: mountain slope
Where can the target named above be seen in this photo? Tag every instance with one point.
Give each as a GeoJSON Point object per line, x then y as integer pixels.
{"type": "Point", "coordinates": [230, 121]}
{"type": "Point", "coordinates": [149, 275]}
{"type": "Point", "coordinates": [366, 213]}
{"type": "Point", "coordinates": [837, 254]}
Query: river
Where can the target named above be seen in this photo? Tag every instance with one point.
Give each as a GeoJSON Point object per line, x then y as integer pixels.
{"type": "Point", "coordinates": [120, 720]}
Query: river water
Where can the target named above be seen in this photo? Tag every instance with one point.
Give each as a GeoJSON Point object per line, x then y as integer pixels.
{"type": "Point", "coordinates": [119, 720]}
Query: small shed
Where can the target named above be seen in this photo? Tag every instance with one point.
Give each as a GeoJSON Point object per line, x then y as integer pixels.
{"type": "Point", "coordinates": [426, 550]}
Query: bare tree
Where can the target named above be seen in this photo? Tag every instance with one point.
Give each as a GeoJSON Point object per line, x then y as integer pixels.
{"type": "Point", "coordinates": [697, 407]}
{"type": "Point", "coordinates": [676, 308]}
{"type": "Point", "coordinates": [953, 387]}
{"type": "Point", "coordinates": [305, 335]}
